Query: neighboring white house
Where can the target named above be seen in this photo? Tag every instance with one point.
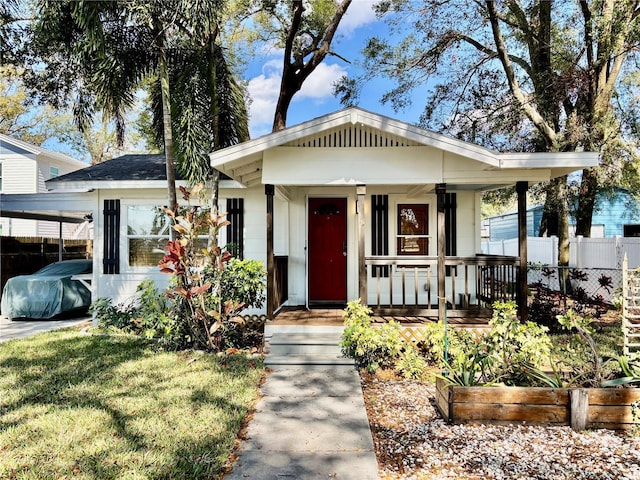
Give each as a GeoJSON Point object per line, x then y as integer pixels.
{"type": "Point", "coordinates": [24, 168]}
{"type": "Point", "coordinates": [351, 204]}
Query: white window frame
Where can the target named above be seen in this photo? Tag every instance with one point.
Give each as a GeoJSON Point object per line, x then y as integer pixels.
{"type": "Point", "coordinates": [126, 261]}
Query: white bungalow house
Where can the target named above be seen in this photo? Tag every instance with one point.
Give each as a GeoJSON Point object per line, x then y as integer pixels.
{"type": "Point", "coordinates": [24, 168]}
{"type": "Point", "coordinates": [349, 205]}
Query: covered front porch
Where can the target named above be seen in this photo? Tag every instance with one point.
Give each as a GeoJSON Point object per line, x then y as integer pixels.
{"type": "Point", "coordinates": [359, 205]}
{"type": "Point", "coordinates": [414, 288]}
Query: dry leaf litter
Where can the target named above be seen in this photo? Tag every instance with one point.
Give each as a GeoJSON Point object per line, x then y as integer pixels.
{"type": "Point", "coordinates": [414, 443]}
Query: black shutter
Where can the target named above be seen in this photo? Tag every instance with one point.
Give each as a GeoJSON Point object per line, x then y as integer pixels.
{"type": "Point", "coordinates": [450, 228]}
{"type": "Point", "coordinates": [380, 231]}
{"type": "Point", "coordinates": [235, 215]}
{"type": "Point", "coordinates": [111, 255]}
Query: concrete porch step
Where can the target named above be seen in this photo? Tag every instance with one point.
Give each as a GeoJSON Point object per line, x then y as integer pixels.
{"type": "Point", "coordinates": [304, 345]}
{"type": "Point", "coordinates": [310, 330]}
{"type": "Point", "coordinates": [290, 348]}
{"type": "Point", "coordinates": [311, 360]}
{"type": "Point", "coordinates": [306, 338]}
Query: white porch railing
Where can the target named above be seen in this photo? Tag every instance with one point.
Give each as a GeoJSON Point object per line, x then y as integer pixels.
{"type": "Point", "coordinates": [410, 284]}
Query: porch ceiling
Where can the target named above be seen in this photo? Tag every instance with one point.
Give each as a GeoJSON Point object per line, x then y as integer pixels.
{"type": "Point", "coordinates": [247, 172]}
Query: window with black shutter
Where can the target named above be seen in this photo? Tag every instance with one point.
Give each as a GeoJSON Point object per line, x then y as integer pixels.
{"type": "Point", "coordinates": [380, 231]}
{"type": "Point", "coordinates": [235, 237]}
{"type": "Point", "coordinates": [111, 257]}
{"type": "Point", "coordinates": [450, 228]}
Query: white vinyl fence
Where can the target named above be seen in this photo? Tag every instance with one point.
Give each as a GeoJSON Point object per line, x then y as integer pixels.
{"type": "Point", "coordinates": [542, 250]}
{"type": "Point", "coordinates": [583, 252]}
{"type": "Point", "coordinates": [604, 252]}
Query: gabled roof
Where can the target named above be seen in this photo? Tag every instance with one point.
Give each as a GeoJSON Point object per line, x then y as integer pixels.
{"type": "Point", "coordinates": [38, 151]}
{"type": "Point", "coordinates": [354, 127]}
{"type": "Point", "coordinates": [360, 117]}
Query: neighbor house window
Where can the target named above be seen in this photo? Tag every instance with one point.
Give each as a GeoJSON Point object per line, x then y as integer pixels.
{"type": "Point", "coordinates": [54, 171]}
{"type": "Point", "coordinates": [631, 230]}
{"type": "Point", "coordinates": [148, 229]}
{"type": "Point", "coordinates": [413, 229]}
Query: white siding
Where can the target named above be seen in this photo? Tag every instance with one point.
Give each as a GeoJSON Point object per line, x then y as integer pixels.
{"type": "Point", "coordinates": [19, 174]}
{"type": "Point", "coordinates": [122, 286]}
{"type": "Point", "coordinates": [290, 235]}
{"type": "Point", "coordinates": [24, 173]}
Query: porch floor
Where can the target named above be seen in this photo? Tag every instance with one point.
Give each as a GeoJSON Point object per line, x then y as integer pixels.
{"type": "Point", "coordinates": [333, 317]}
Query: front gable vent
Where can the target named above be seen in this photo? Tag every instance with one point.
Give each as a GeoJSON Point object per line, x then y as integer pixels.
{"type": "Point", "coordinates": [352, 136]}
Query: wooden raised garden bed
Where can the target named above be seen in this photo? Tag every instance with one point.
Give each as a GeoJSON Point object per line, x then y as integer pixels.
{"type": "Point", "coordinates": [580, 407]}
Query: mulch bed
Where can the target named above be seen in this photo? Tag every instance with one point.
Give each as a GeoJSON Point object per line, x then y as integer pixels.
{"type": "Point", "coordinates": [413, 442]}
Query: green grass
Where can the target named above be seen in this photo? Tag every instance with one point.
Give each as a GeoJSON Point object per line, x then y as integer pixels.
{"type": "Point", "coordinates": [609, 340]}
{"type": "Point", "coordinates": [90, 407]}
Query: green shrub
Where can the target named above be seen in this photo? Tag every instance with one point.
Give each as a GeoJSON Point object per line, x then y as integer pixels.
{"type": "Point", "coordinates": [515, 346]}
{"type": "Point", "coordinates": [207, 298]}
{"type": "Point", "coordinates": [370, 347]}
{"type": "Point", "coordinates": [146, 315]}
{"type": "Point", "coordinates": [433, 346]}
{"type": "Point", "coordinates": [505, 354]}
{"type": "Point", "coordinates": [411, 364]}
{"type": "Point", "coordinates": [241, 281]}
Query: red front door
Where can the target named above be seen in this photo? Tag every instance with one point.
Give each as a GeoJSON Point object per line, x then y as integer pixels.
{"type": "Point", "coordinates": [328, 250]}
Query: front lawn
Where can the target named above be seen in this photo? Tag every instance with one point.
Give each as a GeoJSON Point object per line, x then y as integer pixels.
{"type": "Point", "coordinates": [93, 407]}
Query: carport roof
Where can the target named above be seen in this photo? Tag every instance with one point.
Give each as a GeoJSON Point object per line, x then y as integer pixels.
{"type": "Point", "coordinates": [53, 207]}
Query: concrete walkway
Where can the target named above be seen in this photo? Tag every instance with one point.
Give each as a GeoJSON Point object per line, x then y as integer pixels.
{"type": "Point", "coordinates": [310, 423]}
{"type": "Point", "coordinates": [10, 329]}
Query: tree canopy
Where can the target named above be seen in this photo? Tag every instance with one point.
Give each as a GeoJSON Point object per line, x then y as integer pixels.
{"type": "Point", "coordinates": [98, 55]}
{"type": "Point", "coordinates": [529, 75]}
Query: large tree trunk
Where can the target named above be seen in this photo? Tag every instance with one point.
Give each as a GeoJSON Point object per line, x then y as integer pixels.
{"type": "Point", "coordinates": [300, 63]}
{"type": "Point", "coordinates": [555, 221]}
{"type": "Point", "coordinates": [287, 90]}
{"type": "Point", "coordinates": [586, 203]}
{"type": "Point", "coordinates": [555, 217]}
{"type": "Point", "coordinates": [289, 84]}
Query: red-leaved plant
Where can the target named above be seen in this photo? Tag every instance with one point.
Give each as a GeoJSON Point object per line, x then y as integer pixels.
{"type": "Point", "coordinates": [203, 323]}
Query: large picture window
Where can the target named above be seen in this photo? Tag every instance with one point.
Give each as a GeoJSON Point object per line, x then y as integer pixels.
{"type": "Point", "coordinates": [148, 230]}
{"type": "Point", "coordinates": [413, 229]}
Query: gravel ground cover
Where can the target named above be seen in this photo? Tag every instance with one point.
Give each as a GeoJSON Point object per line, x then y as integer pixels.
{"type": "Point", "coordinates": [414, 443]}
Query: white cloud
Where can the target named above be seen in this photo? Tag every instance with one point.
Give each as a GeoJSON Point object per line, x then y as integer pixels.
{"type": "Point", "coordinates": [360, 13]}
{"type": "Point", "coordinates": [264, 89]}
{"type": "Point", "coordinates": [319, 85]}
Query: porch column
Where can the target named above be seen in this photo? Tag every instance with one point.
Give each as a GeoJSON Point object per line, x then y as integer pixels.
{"type": "Point", "coordinates": [441, 190]}
{"type": "Point", "coordinates": [269, 191]}
{"type": "Point", "coordinates": [361, 191]}
{"type": "Point", "coordinates": [521, 189]}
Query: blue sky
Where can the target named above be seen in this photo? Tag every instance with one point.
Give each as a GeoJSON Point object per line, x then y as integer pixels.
{"type": "Point", "coordinates": [315, 98]}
